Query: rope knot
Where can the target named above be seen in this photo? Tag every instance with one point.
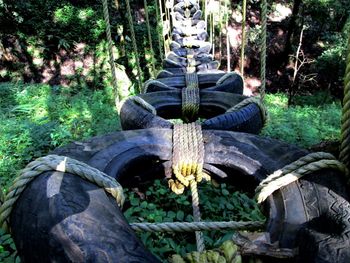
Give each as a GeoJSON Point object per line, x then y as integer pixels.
{"type": "Point", "coordinates": [188, 156]}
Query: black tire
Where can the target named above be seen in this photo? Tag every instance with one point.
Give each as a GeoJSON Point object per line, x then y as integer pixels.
{"type": "Point", "coordinates": [208, 81]}
{"type": "Point", "coordinates": [213, 106]}
{"type": "Point", "coordinates": [67, 223]}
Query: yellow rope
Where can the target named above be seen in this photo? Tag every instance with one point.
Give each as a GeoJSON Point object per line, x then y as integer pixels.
{"type": "Point", "coordinates": [61, 164]}
{"type": "Point", "coordinates": [133, 39]}
{"type": "Point", "coordinates": [110, 50]}
{"type": "Point", "coordinates": [188, 160]}
{"type": "Point", "coordinates": [345, 128]}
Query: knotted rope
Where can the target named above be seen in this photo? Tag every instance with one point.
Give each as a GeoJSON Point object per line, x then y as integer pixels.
{"type": "Point", "coordinates": [144, 104]}
{"type": "Point", "coordinates": [188, 160]}
{"type": "Point", "coordinates": [60, 164]}
{"type": "Point", "coordinates": [344, 155]}
{"type": "Point", "coordinates": [250, 100]}
{"type": "Point", "coordinates": [310, 163]}
{"type": "Point", "coordinates": [190, 97]}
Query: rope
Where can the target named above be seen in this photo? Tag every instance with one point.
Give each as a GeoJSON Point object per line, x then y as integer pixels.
{"type": "Point", "coordinates": [244, 17]}
{"type": "Point", "coordinates": [263, 49]}
{"type": "Point", "coordinates": [345, 128]}
{"type": "Point", "coordinates": [188, 160]}
{"type": "Point", "coordinates": [149, 38]}
{"type": "Point", "coordinates": [227, 253]}
{"type": "Point", "coordinates": [190, 97]}
{"type": "Point", "coordinates": [310, 163]}
{"type": "Point", "coordinates": [64, 165]}
{"type": "Point", "coordinates": [197, 215]}
{"type": "Point", "coordinates": [228, 58]}
{"type": "Point", "coordinates": [133, 38]}
{"type": "Point", "coordinates": [197, 226]}
{"type": "Point", "coordinates": [144, 104]}
{"type": "Point", "coordinates": [250, 100]}
{"type": "Point", "coordinates": [158, 30]}
{"type": "Point", "coordinates": [110, 49]}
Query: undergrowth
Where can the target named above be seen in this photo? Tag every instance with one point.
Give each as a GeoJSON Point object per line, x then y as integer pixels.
{"type": "Point", "coordinates": [35, 119]}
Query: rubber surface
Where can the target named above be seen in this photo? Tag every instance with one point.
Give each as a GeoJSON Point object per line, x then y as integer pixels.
{"type": "Point", "coordinates": [213, 106]}
{"type": "Point", "coordinates": [60, 216]}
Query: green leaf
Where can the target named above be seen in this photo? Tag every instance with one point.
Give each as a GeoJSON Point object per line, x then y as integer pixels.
{"type": "Point", "coordinates": [180, 215]}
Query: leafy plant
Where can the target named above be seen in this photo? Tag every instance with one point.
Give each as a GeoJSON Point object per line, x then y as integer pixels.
{"type": "Point", "coordinates": [216, 204]}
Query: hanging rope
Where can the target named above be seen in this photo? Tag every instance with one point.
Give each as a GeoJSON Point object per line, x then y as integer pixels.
{"type": "Point", "coordinates": [133, 39]}
{"type": "Point", "coordinates": [149, 39]}
{"type": "Point", "coordinates": [345, 128]}
{"type": "Point", "coordinates": [244, 17]}
{"type": "Point", "coordinates": [310, 163]}
{"type": "Point", "coordinates": [227, 40]}
{"type": "Point", "coordinates": [110, 50]}
{"type": "Point", "coordinates": [160, 47]}
{"type": "Point", "coordinates": [62, 164]}
{"type": "Point", "coordinates": [263, 48]}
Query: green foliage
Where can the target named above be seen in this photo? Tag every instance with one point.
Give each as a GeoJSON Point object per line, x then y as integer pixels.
{"type": "Point", "coordinates": [158, 204]}
{"type": "Point", "coordinates": [35, 119]}
{"type": "Point", "coordinates": [7, 249]}
{"type": "Point", "coordinates": [315, 119]}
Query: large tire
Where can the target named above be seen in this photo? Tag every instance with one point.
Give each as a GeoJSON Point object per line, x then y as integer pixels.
{"type": "Point", "coordinates": [210, 82]}
{"type": "Point", "coordinates": [213, 106]}
{"type": "Point", "coordinates": [56, 218]}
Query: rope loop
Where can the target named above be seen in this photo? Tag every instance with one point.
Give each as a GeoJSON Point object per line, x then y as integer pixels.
{"type": "Point", "coordinates": [61, 164]}
{"type": "Point", "coordinates": [310, 163]}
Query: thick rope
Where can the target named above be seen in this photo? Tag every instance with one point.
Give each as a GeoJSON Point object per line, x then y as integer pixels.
{"type": "Point", "coordinates": [134, 44]}
{"type": "Point", "coordinates": [190, 97]}
{"type": "Point", "coordinates": [110, 49]}
{"type": "Point", "coordinates": [149, 39]}
{"type": "Point", "coordinates": [188, 156]}
{"type": "Point", "coordinates": [197, 226]}
{"type": "Point", "coordinates": [227, 253]}
{"type": "Point", "coordinates": [144, 104]}
{"type": "Point", "coordinates": [310, 163]}
{"type": "Point", "coordinates": [188, 160]}
{"type": "Point", "coordinates": [249, 101]}
{"type": "Point", "coordinates": [344, 155]}
{"type": "Point", "coordinates": [61, 164]}
{"type": "Point", "coordinates": [244, 17]}
{"type": "Point", "coordinates": [263, 48]}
